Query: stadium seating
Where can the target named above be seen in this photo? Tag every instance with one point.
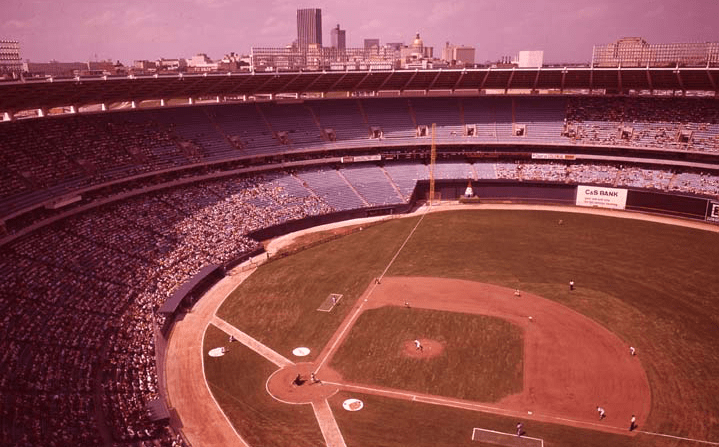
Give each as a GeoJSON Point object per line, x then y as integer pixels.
{"type": "Point", "coordinates": [46, 158]}
{"type": "Point", "coordinates": [79, 296]}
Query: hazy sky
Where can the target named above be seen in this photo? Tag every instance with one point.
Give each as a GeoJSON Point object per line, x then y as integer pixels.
{"type": "Point", "coordinates": [125, 30]}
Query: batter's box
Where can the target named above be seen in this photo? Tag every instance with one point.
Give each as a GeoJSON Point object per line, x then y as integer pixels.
{"type": "Point", "coordinates": [330, 302]}
{"type": "Point", "coordinates": [508, 439]}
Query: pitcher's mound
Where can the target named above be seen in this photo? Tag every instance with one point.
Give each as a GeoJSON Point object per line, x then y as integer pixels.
{"type": "Point", "coordinates": [430, 348]}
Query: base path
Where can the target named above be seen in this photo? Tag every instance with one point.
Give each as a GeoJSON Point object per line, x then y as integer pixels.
{"type": "Point", "coordinates": [251, 343]}
{"type": "Point", "coordinates": [571, 363]}
{"type": "Point", "coordinates": [328, 424]}
{"type": "Point", "coordinates": [204, 424]}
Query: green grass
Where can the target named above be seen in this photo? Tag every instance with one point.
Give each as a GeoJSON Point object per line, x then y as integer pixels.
{"type": "Point", "coordinates": [481, 361]}
{"type": "Point", "coordinates": [393, 422]}
{"type": "Point", "coordinates": [278, 304]}
{"type": "Point", "coordinates": [237, 380]}
{"type": "Point", "coordinates": [656, 286]}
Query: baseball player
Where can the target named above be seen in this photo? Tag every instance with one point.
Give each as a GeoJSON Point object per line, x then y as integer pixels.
{"type": "Point", "coordinates": [601, 412]}
{"type": "Point", "coordinates": [418, 346]}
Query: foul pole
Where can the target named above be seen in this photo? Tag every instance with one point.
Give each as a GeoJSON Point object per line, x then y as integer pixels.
{"type": "Point", "coordinates": [433, 158]}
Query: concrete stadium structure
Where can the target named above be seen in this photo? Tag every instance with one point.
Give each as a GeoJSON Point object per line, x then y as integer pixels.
{"type": "Point", "coordinates": [107, 214]}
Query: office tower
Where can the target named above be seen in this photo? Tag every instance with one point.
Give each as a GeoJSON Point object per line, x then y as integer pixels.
{"type": "Point", "coordinates": [10, 62]}
{"type": "Point", "coordinates": [338, 38]}
{"type": "Point", "coordinates": [309, 28]}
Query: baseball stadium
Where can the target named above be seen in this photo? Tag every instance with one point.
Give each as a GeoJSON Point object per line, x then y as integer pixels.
{"type": "Point", "coordinates": [472, 257]}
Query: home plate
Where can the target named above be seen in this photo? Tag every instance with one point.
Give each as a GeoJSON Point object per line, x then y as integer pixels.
{"type": "Point", "coordinates": [352, 405]}
{"type": "Point", "coordinates": [301, 351]}
{"type": "Point", "coordinates": [217, 352]}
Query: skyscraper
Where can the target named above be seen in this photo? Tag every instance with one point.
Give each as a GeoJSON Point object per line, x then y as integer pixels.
{"type": "Point", "coordinates": [309, 27]}
{"type": "Point", "coordinates": [338, 38]}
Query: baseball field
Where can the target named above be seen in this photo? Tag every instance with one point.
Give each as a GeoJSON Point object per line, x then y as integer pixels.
{"type": "Point", "coordinates": [448, 280]}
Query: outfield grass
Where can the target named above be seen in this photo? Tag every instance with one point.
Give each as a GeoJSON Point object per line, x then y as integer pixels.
{"type": "Point", "coordinates": [237, 380]}
{"type": "Point", "coordinates": [278, 304]}
{"type": "Point", "coordinates": [656, 286]}
{"type": "Point", "coordinates": [482, 358]}
{"type": "Point", "coordinates": [417, 424]}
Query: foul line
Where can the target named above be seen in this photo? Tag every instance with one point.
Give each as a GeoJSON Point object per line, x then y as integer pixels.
{"type": "Point", "coordinates": [338, 338]}
{"type": "Point", "coordinates": [263, 350]}
{"type": "Point", "coordinates": [677, 437]}
{"type": "Point", "coordinates": [476, 429]}
{"type": "Point", "coordinates": [445, 402]}
{"type": "Point", "coordinates": [403, 244]}
{"type": "Point", "coordinates": [209, 390]}
{"type": "Point", "coordinates": [328, 424]}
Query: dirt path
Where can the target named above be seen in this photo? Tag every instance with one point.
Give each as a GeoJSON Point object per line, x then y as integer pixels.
{"type": "Point", "coordinates": [204, 424]}
{"type": "Point", "coordinates": [251, 343]}
{"type": "Point", "coordinates": [572, 364]}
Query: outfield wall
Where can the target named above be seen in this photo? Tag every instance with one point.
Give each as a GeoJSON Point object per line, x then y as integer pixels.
{"type": "Point", "coordinates": [562, 194]}
{"type": "Point", "coordinates": [313, 221]}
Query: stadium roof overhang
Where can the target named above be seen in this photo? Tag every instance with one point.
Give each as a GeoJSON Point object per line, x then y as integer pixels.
{"type": "Point", "coordinates": [47, 93]}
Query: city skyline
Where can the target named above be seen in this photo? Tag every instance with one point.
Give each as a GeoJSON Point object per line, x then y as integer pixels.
{"type": "Point", "coordinates": [83, 30]}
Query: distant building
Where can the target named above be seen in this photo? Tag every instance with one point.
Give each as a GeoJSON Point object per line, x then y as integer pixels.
{"type": "Point", "coordinates": [636, 52]}
{"type": "Point", "coordinates": [234, 62]}
{"type": "Point", "coordinates": [369, 43]}
{"type": "Point", "coordinates": [171, 64]}
{"type": "Point", "coordinates": [458, 54]}
{"type": "Point", "coordinates": [412, 55]}
{"type": "Point", "coordinates": [338, 38]}
{"type": "Point", "coordinates": [144, 66]}
{"type": "Point", "coordinates": [54, 68]}
{"type": "Point", "coordinates": [529, 59]}
{"type": "Point", "coordinates": [290, 58]}
{"type": "Point", "coordinates": [102, 68]}
{"type": "Point", "coordinates": [309, 28]}
{"type": "Point", "coordinates": [10, 62]}
{"type": "Point", "coordinates": [201, 63]}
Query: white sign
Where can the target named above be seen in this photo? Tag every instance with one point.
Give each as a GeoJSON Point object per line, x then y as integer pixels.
{"type": "Point", "coordinates": [536, 156]}
{"type": "Point", "coordinates": [713, 212]}
{"type": "Point", "coordinates": [596, 196]}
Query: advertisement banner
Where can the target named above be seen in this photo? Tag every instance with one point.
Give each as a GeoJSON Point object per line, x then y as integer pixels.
{"type": "Point", "coordinates": [536, 156]}
{"type": "Point", "coordinates": [713, 212]}
{"type": "Point", "coordinates": [615, 198]}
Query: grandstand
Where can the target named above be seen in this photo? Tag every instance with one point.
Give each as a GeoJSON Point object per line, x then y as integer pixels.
{"type": "Point", "coordinates": [105, 215]}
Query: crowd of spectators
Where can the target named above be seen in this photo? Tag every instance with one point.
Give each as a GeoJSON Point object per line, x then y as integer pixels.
{"type": "Point", "coordinates": [612, 175]}
{"type": "Point", "coordinates": [79, 296]}
{"type": "Point", "coordinates": [666, 123]}
{"type": "Point", "coordinates": [45, 158]}
{"type": "Point", "coordinates": [79, 300]}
